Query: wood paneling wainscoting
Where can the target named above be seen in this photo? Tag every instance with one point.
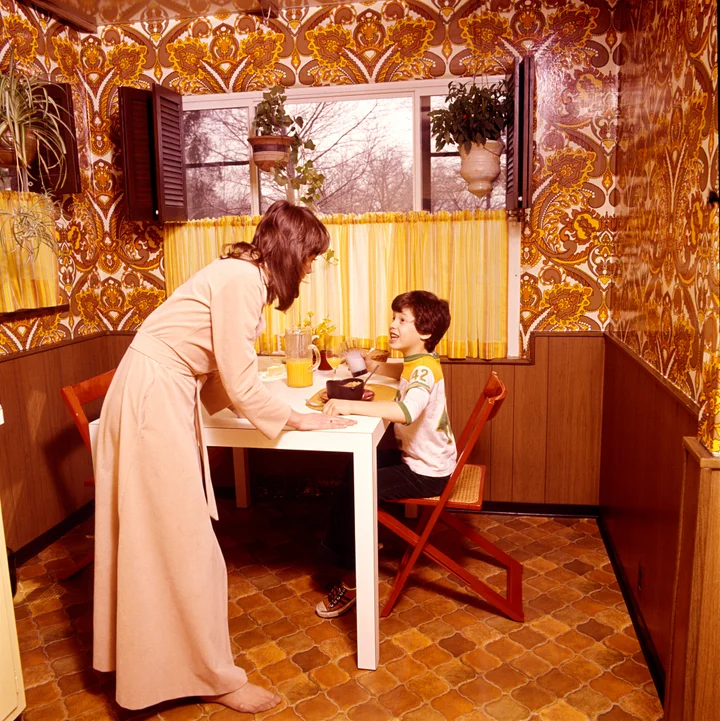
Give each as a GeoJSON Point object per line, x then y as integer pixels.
{"type": "Point", "coordinates": [644, 422]}
{"type": "Point", "coordinates": [544, 444]}
{"type": "Point", "coordinates": [693, 687]}
{"type": "Point", "coordinates": [43, 462]}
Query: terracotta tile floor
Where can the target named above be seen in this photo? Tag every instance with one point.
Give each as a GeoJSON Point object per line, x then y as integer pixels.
{"type": "Point", "coordinates": [444, 653]}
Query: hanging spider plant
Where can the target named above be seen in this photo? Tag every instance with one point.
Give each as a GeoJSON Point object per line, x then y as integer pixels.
{"type": "Point", "coordinates": [31, 127]}
{"type": "Point", "coordinates": [28, 223]}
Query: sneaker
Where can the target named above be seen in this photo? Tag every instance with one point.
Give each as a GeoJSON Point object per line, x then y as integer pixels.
{"type": "Point", "coordinates": [339, 600]}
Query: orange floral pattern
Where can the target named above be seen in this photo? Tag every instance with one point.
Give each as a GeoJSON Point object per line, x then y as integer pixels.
{"type": "Point", "coordinates": [667, 298]}
{"type": "Point", "coordinates": [24, 37]}
{"type": "Point", "coordinates": [127, 61]}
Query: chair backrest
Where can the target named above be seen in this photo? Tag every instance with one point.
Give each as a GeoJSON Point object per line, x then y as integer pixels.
{"type": "Point", "coordinates": [78, 394]}
{"type": "Point", "coordinates": [486, 408]}
{"type": "Point", "coordinates": [488, 404]}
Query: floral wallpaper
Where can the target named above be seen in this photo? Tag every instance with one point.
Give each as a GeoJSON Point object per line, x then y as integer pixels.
{"type": "Point", "coordinates": [665, 306]}
{"type": "Point", "coordinates": [111, 269]}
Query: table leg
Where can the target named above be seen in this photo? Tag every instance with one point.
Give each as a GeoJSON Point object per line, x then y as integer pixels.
{"type": "Point", "coordinates": [242, 477]}
{"type": "Point", "coordinates": [366, 555]}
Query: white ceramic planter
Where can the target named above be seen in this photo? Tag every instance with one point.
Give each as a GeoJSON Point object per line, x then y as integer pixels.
{"type": "Point", "coordinates": [481, 166]}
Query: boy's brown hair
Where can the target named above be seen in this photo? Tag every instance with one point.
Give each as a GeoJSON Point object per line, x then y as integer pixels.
{"type": "Point", "coordinates": [432, 314]}
{"type": "Point", "coordinates": [287, 237]}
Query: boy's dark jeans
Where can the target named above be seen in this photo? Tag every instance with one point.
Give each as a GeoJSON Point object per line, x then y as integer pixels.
{"type": "Point", "coordinates": [394, 480]}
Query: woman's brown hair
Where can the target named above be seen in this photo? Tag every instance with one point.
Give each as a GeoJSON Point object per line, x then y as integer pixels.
{"type": "Point", "coordinates": [287, 237]}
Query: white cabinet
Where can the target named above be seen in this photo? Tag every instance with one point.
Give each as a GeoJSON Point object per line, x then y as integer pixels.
{"type": "Point", "coordinates": [12, 693]}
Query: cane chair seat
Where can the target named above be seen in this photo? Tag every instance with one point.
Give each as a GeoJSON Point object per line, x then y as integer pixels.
{"type": "Point", "coordinates": [467, 494]}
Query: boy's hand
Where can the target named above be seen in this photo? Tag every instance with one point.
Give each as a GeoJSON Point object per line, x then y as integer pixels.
{"type": "Point", "coordinates": [371, 364]}
{"type": "Point", "coordinates": [337, 407]}
{"type": "Point", "coordinates": [376, 355]}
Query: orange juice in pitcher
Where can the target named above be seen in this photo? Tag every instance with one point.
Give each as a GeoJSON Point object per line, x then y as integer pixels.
{"type": "Point", "coordinates": [301, 357]}
{"type": "Point", "coordinates": [299, 372]}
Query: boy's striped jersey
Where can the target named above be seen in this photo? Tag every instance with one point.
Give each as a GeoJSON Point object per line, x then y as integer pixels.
{"type": "Point", "coordinates": [426, 440]}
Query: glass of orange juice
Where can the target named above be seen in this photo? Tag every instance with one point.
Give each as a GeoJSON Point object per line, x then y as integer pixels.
{"type": "Point", "coordinates": [333, 350]}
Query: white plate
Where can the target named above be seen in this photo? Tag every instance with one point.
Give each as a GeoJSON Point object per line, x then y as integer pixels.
{"type": "Point", "coordinates": [263, 376]}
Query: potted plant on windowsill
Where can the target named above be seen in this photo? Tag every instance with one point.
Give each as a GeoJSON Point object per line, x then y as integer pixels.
{"type": "Point", "coordinates": [474, 120]}
{"type": "Point", "coordinates": [276, 146]}
{"type": "Point", "coordinates": [30, 128]}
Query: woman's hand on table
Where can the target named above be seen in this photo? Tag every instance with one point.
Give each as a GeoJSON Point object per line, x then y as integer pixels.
{"type": "Point", "coordinates": [317, 421]}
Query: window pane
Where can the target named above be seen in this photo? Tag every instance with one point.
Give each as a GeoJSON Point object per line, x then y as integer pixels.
{"type": "Point", "coordinates": [217, 162]}
{"type": "Point", "coordinates": [448, 191]}
{"type": "Point", "coordinates": [214, 192]}
{"type": "Point", "coordinates": [364, 149]}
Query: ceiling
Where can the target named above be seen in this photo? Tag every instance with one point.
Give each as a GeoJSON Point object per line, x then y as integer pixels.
{"type": "Point", "coordinates": [88, 16]}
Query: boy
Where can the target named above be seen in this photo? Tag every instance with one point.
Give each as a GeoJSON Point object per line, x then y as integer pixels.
{"type": "Point", "coordinates": [426, 454]}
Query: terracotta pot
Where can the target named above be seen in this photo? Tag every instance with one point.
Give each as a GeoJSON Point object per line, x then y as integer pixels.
{"type": "Point", "coordinates": [481, 166]}
{"type": "Point", "coordinates": [7, 149]}
{"type": "Point", "coordinates": [269, 151]}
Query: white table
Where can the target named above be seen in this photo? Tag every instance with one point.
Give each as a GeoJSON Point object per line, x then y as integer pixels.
{"type": "Point", "coordinates": [226, 429]}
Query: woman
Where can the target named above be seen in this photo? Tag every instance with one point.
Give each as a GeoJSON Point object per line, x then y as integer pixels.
{"type": "Point", "coordinates": [160, 616]}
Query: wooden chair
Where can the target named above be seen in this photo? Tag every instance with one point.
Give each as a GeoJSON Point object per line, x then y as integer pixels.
{"type": "Point", "coordinates": [464, 492]}
{"type": "Point", "coordinates": [75, 397]}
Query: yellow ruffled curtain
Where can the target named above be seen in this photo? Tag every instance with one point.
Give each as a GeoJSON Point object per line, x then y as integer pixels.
{"type": "Point", "coordinates": [27, 282]}
{"type": "Point", "coordinates": [459, 256]}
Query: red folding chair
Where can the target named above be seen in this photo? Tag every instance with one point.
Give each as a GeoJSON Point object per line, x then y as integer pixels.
{"type": "Point", "coordinates": [464, 492]}
{"type": "Point", "coordinates": [75, 397]}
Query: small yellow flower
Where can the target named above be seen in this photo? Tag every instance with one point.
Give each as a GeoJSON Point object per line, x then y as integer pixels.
{"type": "Point", "coordinates": [322, 330]}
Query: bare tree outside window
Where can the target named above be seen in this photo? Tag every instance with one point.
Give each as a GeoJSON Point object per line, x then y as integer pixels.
{"type": "Point", "coordinates": [364, 149]}
{"type": "Point", "coordinates": [217, 162]}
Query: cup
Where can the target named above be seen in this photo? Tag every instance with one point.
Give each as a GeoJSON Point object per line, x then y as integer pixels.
{"type": "Point", "coordinates": [301, 357]}
{"type": "Point", "coordinates": [356, 362]}
{"type": "Point", "coordinates": [333, 350]}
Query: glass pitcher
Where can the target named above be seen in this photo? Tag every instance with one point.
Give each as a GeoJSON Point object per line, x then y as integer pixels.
{"type": "Point", "coordinates": [301, 357]}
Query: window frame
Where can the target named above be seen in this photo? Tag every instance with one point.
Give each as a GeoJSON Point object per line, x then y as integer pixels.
{"type": "Point", "coordinates": [415, 89]}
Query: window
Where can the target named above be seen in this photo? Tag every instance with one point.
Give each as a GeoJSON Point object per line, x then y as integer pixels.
{"type": "Point", "coordinates": [373, 146]}
{"type": "Point", "coordinates": [217, 162]}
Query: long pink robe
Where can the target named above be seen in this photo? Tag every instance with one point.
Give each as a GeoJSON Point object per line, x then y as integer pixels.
{"type": "Point", "coordinates": [160, 615]}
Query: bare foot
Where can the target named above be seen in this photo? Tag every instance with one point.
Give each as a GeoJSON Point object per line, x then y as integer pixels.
{"type": "Point", "coordinates": [247, 699]}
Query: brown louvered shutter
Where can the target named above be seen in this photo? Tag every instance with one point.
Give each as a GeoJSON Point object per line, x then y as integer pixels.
{"type": "Point", "coordinates": [514, 130]}
{"type": "Point", "coordinates": [520, 141]}
{"type": "Point", "coordinates": [50, 180]}
{"type": "Point", "coordinates": [138, 152]}
{"type": "Point", "coordinates": [527, 112]}
{"type": "Point", "coordinates": [169, 157]}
